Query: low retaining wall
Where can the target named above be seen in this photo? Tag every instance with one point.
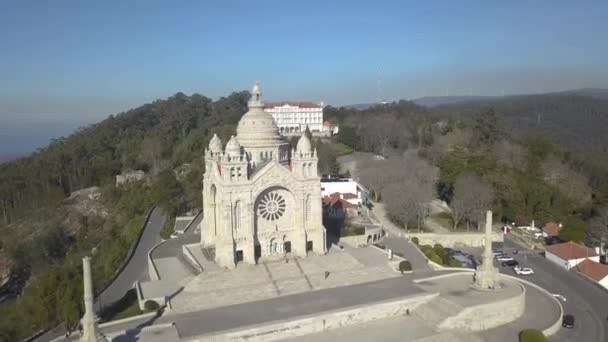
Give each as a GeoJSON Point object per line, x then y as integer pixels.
{"type": "Point", "coordinates": [190, 257]}
{"type": "Point", "coordinates": [152, 271]}
{"type": "Point", "coordinates": [355, 240]}
{"type": "Point", "coordinates": [494, 314]}
{"type": "Point", "coordinates": [454, 239]}
{"type": "Point", "coordinates": [319, 322]}
{"type": "Point", "coordinates": [548, 331]}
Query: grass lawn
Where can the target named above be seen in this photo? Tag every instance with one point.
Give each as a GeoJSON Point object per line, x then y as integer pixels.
{"type": "Point", "coordinates": [126, 307]}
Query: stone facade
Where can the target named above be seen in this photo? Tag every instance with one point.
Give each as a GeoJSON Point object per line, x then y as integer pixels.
{"type": "Point", "coordinates": [260, 200]}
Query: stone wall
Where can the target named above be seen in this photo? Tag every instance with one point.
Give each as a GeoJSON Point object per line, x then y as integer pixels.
{"type": "Point", "coordinates": [321, 321]}
{"type": "Point", "coordinates": [494, 314]}
{"type": "Point", "coordinates": [454, 239]}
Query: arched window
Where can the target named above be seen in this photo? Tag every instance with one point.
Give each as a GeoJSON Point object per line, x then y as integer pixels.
{"type": "Point", "coordinates": [308, 208]}
{"type": "Point", "coordinates": [232, 173]}
{"type": "Point", "coordinates": [304, 169]}
{"type": "Point", "coordinates": [237, 216]}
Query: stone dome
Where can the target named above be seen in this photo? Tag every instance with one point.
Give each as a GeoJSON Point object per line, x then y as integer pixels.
{"type": "Point", "coordinates": [215, 144]}
{"type": "Point", "coordinates": [233, 148]}
{"type": "Point", "coordinates": [257, 128]}
{"type": "Point", "coordinates": [304, 145]}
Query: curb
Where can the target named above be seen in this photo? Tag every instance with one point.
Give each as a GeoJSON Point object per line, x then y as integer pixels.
{"type": "Point", "coordinates": [127, 320]}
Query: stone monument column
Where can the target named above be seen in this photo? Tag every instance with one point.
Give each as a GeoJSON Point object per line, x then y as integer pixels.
{"type": "Point", "coordinates": [91, 332]}
{"type": "Point", "coordinates": [486, 276]}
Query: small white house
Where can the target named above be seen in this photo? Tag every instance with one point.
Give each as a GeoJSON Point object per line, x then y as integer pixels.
{"type": "Point", "coordinates": [346, 186]}
{"type": "Point", "coordinates": [570, 254]}
{"type": "Point", "coordinates": [594, 271]}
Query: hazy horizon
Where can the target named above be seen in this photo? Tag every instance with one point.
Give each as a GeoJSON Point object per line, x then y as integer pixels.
{"type": "Point", "coordinates": [67, 63]}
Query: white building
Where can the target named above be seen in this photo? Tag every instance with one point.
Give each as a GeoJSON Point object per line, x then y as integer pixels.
{"type": "Point", "coordinates": [331, 185]}
{"type": "Point", "coordinates": [292, 118]}
{"type": "Point", "coordinates": [570, 254]}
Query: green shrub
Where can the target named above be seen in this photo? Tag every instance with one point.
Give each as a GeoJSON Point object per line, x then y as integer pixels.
{"type": "Point", "coordinates": [425, 249]}
{"type": "Point", "coordinates": [440, 252]}
{"type": "Point", "coordinates": [167, 229]}
{"type": "Point", "coordinates": [405, 266]}
{"type": "Point", "coordinates": [434, 257]}
{"type": "Point", "coordinates": [415, 240]}
{"type": "Point", "coordinates": [454, 263]}
{"type": "Point", "coordinates": [150, 306]}
{"type": "Point", "coordinates": [532, 335]}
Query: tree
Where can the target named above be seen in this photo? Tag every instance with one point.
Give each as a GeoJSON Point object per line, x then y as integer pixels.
{"type": "Point", "coordinates": [574, 229]}
{"type": "Point", "coordinates": [487, 128]}
{"type": "Point", "coordinates": [472, 198]}
{"type": "Point", "coordinates": [598, 227]}
{"type": "Point", "coordinates": [348, 136]}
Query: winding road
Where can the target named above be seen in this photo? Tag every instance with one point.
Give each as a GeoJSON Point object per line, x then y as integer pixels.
{"type": "Point", "coordinates": [585, 300]}
{"type": "Point", "coordinates": [137, 268]}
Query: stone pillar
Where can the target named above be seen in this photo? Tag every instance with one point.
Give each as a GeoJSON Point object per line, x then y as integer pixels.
{"type": "Point", "coordinates": [486, 276]}
{"type": "Point", "coordinates": [91, 332]}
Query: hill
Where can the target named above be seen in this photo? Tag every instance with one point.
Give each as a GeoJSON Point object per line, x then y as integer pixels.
{"type": "Point", "coordinates": [596, 93]}
{"type": "Point", "coordinates": [578, 123]}
{"type": "Point", "coordinates": [433, 101]}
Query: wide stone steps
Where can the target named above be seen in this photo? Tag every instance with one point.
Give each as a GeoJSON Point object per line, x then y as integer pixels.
{"type": "Point", "coordinates": [437, 310]}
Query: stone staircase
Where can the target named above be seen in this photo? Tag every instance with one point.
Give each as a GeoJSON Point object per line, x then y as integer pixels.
{"type": "Point", "coordinates": [436, 311]}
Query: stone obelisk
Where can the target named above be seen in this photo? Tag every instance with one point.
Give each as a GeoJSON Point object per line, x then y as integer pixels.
{"type": "Point", "coordinates": [91, 332]}
{"type": "Point", "coordinates": [486, 276]}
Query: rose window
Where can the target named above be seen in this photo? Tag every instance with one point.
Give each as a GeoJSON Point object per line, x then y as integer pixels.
{"type": "Point", "coordinates": [272, 206]}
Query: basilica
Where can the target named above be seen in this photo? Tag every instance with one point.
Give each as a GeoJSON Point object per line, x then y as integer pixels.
{"type": "Point", "coordinates": [261, 199]}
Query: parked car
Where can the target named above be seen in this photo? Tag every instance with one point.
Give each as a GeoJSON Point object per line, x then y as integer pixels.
{"type": "Point", "coordinates": [559, 296]}
{"type": "Point", "coordinates": [503, 258]}
{"type": "Point", "coordinates": [510, 263]}
{"type": "Point", "coordinates": [568, 321]}
{"type": "Point", "coordinates": [523, 270]}
{"type": "Point", "coordinates": [497, 252]}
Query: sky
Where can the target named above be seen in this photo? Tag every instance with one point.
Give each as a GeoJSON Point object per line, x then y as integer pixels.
{"type": "Point", "coordinates": [64, 64]}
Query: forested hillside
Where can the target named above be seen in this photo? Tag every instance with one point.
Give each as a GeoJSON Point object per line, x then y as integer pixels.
{"type": "Point", "coordinates": [43, 234]}
{"type": "Point", "coordinates": [488, 156]}
{"type": "Point", "coordinates": [47, 224]}
{"type": "Point", "coordinates": [578, 123]}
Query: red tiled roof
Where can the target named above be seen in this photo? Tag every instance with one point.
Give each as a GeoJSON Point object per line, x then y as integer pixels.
{"type": "Point", "coordinates": [570, 250]}
{"type": "Point", "coordinates": [552, 229]}
{"type": "Point", "coordinates": [301, 104]}
{"type": "Point", "coordinates": [348, 195]}
{"type": "Point", "coordinates": [592, 269]}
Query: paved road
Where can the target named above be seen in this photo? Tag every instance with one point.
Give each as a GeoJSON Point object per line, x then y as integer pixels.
{"type": "Point", "coordinates": [137, 269]}
{"type": "Point", "coordinates": [587, 302]}
{"type": "Point", "coordinates": [409, 251]}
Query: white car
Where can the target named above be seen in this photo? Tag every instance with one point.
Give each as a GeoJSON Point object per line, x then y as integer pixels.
{"type": "Point", "coordinates": [523, 270]}
{"type": "Point", "coordinates": [503, 258]}
{"type": "Point", "coordinates": [559, 296]}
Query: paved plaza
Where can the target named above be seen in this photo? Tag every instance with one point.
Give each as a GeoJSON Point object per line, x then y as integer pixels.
{"type": "Point", "coordinates": [283, 277]}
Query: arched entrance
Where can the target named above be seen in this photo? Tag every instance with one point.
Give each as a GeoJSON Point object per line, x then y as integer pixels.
{"type": "Point", "coordinates": [274, 216]}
